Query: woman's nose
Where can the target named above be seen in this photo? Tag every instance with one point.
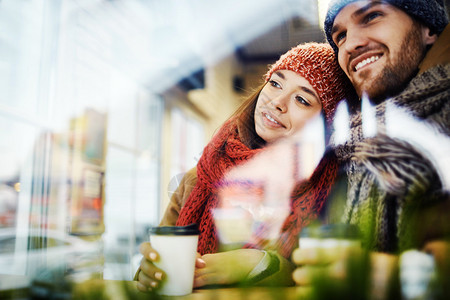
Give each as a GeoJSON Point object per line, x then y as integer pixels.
{"type": "Point", "coordinates": [280, 102]}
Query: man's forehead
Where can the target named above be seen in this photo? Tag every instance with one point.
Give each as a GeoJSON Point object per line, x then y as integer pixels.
{"type": "Point", "coordinates": [361, 4]}
{"type": "Point", "coordinates": [357, 8]}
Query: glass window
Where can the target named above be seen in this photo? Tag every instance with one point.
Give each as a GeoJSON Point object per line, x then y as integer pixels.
{"type": "Point", "coordinates": [187, 142]}
{"type": "Point", "coordinates": [78, 130]}
{"type": "Point", "coordinates": [132, 183]}
{"type": "Point", "coordinates": [120, 198]}
{"type": "Point", "coordinates": [16, 158]}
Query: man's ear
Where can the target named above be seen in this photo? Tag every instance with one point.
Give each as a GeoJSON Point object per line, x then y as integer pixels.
{"type": "Point", "coordinates": [429, 37]}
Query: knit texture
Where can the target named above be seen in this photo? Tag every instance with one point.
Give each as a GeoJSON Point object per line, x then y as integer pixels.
{"type": "Point", "coordinates": [430, 12]}
{"type": "Point", "coordinates": [224, 151]}
{"type": "Point", "coordinates": [317, 63]}
{"type": "Point", "coordinates": [427, 97]}
{"type": "Point", "coordinates": [307, 201]}
{"type": "Point", "coordinates": [388, 178]}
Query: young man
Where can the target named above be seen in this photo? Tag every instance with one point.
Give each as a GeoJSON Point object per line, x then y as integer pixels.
{"type": "Point", "coordinates": [384, 48]}
{"type": "Point", "coordinates": [380, 44]}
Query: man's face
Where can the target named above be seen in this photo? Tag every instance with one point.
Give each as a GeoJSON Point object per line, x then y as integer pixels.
{"type": "Point", "coordinates": [380, 47]}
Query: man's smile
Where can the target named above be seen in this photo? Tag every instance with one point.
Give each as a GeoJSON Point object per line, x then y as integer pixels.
{"type": "Point", "coordinates": [365, 62]}
{"type": "Point", "coordinates": [362, 60]}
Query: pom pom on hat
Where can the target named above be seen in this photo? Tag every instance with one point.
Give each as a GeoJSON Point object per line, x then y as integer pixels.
{"type": "Point", "coordinates": [317, 63]}
{"type": "Point", "coordinates": [430, 12]}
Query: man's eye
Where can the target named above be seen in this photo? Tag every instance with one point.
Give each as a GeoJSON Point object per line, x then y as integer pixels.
{"type": "Point", "coordinates": [371, 16]}
{"type": "Point", "coordinates": [339, 37]}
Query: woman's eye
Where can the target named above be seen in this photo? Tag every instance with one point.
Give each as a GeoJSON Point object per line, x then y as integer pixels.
{"type": "Point", "coordinates": [274, 83]}
{"type": "Point", "coordinates": [302, 100]}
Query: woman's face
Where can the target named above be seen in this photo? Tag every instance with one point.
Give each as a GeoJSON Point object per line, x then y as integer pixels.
{"type": "Point", "coordinates": [286, 103]}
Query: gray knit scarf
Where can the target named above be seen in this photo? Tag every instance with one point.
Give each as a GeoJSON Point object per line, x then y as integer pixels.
{"type": "Point", "coordinates": [388, 177]}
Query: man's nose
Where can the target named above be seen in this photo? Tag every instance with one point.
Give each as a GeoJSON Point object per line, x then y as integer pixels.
{"type": "Point", "coordinates": [355, 40]}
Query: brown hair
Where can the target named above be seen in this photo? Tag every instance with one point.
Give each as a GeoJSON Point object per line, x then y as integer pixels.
{"type": "Point", "coordinates": [245, 120]}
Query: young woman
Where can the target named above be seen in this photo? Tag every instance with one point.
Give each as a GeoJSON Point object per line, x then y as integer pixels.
{"type": "Point", "coordinates": [303, 83]}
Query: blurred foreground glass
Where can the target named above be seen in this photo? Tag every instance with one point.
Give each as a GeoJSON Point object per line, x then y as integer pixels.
{"type": "Point", "coordinates": [343, 269]}
{"type": "Point", "coordinates": [417, 275]}
{"type": "Point", "coordinates": [333, 237]}
{"type": "Point", "coordinates": [70, 257]}
{"type": "Point", "coordinates": [255, 197]}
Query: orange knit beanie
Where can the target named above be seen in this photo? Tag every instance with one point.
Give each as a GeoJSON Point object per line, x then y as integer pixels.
{"type": "Point", "coordinates": [317, 63]}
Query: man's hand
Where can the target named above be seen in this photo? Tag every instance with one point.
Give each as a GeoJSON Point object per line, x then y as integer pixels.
{"type": "Point", "coordinates": [312, 262]}
{"type": "Point", "coordinates": [333, 264]}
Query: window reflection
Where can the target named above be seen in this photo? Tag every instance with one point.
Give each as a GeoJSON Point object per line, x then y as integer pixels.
{"type": "Point", "coordinates": [111, 62]}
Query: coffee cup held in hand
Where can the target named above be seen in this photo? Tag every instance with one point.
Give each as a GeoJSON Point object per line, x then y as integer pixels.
{"type": "Point", "coordinates": [330, 237]}
{"type": "Point", "coordinates": [177, 249]}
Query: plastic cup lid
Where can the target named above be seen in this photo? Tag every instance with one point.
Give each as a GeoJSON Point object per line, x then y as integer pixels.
{"type": "Point", "coordinates": [340, 231]}
{"type": "Point", "coordinates": [191, 229]}
{"type": "Point", "coordinates": [312, 231]}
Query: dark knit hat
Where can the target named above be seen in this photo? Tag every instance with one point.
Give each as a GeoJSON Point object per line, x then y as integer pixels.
{"type": "Point", "coordinates": [317, 63]}
{"type": "Point", "coordinates": [430, 12]}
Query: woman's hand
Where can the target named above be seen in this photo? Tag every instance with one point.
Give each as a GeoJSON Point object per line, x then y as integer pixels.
{"type": "Point", "coordinates": [226, 267]}
{"type": "Point", "coordinates": [149, 277]}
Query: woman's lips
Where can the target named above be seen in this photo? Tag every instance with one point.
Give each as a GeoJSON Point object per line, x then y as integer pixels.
{"type": "Point", "coordinates": [271, 121]}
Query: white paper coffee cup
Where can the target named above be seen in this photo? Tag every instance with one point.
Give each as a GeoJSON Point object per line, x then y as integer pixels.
{"type": "Point", "coordinates": [177, 249]}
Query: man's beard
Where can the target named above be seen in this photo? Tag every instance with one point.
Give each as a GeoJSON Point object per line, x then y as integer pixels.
{"type": "Point", "coordinates": [397, 74]}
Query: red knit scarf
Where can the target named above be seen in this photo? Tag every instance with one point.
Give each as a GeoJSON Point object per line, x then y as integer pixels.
{"type": "Point", "coordinates": [224, 151]}
{"type": "Point", "coordinates": [307, 200]}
